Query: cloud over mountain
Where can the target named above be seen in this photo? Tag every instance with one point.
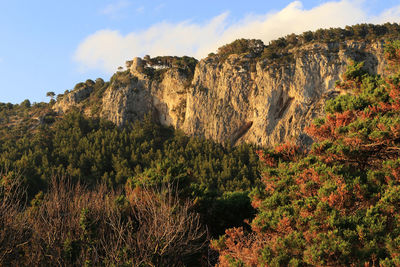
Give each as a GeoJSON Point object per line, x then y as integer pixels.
{"type": "Point", "coordinates": [107, 49]}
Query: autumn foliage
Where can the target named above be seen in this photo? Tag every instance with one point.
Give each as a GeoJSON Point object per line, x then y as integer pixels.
{"type": "Point", "coordinates": [339, 204]}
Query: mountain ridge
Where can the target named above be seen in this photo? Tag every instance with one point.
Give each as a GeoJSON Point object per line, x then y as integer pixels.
{"type": "Point", "coordinates": [248, 92]}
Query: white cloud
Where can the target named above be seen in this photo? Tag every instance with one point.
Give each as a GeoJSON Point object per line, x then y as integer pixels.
{"type": "Point", "coordinates": [391, 14]}
{"type": "Point", "coordinates": [113, 9]}
{"type": "Point", "coordinates": [108, 49]}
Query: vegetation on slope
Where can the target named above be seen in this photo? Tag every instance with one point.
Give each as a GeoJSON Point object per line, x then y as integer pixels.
{"type": "Point", "coordinates": [336, 205]}
{"type": "Point", "coordinates": [279, 50]}
{"type": "Point", "coordinates": [72, 225]}
{"type": "Point", "coordinates": [93, 151]}
{"type": "Point", "coordinates": [339, 204]}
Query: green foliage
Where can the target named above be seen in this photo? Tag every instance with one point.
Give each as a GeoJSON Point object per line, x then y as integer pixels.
{"type": "Point", "coordinates": [392, 49]}
{"type": "Point", "coordinates": [93, 150]}
{"type": "Point", "coordinates": [122, 78]}
{"type": "Point", "coordinates": [26, 103]}
{"type": "Point", "coordinates": [346, 102]}
{"type": "Point", "coordinates": [279, 50]}
{"type": "Point", "coordinates": [50, 94]}
{"type": "Point", "coordinates": [97, 88]}
{"type": "Point", "coordinates": [367, 91]}
{"type": "Point", "coordinates": [241, 46]}
{"type": "Point", "coordinates": [355, 71]}
{"type": "Point", "coordinates": [338, 205]}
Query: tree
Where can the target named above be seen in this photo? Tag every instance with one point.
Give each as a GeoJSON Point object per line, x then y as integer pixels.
{"type": "Point", "coordinates": [26, 103]}
{"type": "Point", "coordinates": [338, 205]}
{"type": "Point", "coordinates": [51, 95]}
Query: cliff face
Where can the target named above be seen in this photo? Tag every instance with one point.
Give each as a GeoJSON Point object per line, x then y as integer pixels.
{"type": "Point", "coordinates": [125, 102]}
{"type": "Point", "coordinates": [239, 99]}
{"type": "Point", "coordinates": [73, 99]}
{"type": "Point", "coordinates": [262, 103]}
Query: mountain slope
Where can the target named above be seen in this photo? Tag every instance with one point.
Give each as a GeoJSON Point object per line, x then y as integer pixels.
{"type": "Point", "coordinates": [248, 92]}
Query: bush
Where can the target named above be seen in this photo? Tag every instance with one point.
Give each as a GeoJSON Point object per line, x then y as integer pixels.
{"type": "Point", "coordinates": [72, 225]}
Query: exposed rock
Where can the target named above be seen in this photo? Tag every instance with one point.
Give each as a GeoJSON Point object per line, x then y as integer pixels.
{"type": "Point", "coordinates": [169, 98]}
{"type": "Point", "coordinates": [279, 100]}
{"type": "Point", "coordinates": [239, 99]}
{"type": "Point", "coordinates": [126, 99]}
{"type": "Point", "coordinates": [73, 98]}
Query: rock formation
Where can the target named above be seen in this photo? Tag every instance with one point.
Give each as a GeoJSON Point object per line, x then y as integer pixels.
{"type": "Point", "coordinates": [241, 98]}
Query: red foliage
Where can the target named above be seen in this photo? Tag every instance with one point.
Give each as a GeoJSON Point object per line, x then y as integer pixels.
{"type": "Point", "coordinates": [239, 246]}
{"type": "Point", "coordinates": [284, 226]}
{"type": "Point", "coordinates": [340, 197]}
{"type": "Point", "coordinates": [328, 131]}
{"type": "Point", "coordinates": [302, 181]}
{"type": "Point", "coordinates": [287, 151]}
{"type": "Point", "coordinates": [267, 159]}
{"type": "Point", "coordinates": [269, 183]}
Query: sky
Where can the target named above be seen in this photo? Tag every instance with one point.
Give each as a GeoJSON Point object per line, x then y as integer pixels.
{"type": "Point", "coordinates": [48, 45]}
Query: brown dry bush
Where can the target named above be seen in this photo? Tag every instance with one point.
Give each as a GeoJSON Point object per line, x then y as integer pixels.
{"type": "Point", "coordinates": [74, 225]}
{"type": "Point", "coordinates": [169, 232]}
{"type": "Point", "coordinates": [13, 229]}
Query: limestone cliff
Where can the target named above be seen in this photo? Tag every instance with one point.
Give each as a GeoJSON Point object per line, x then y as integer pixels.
{"type": "Point", "coordinates": [73, 98]}
{"type": "Point", "coordinates": [241, 98]}
{"type": "Point", "coordinates": [126, 101]}
{"type": "Point", "coordinates": [274, 101]}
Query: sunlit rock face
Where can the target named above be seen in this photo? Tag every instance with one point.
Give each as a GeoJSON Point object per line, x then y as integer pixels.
{"type": "Point", "coordinates": [238, 99]}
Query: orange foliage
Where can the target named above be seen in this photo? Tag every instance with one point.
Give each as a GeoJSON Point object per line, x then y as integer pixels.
{"type": "Point", "coordinates": [269, 183]}
{"type": "Point", "coordinates": [239, 246]}
{"type": "Point", "coordinates": [306, 176]}
{"type": "Point", "coordinates": [288, 151]}
{"type": "Point", "coordinates": [267, 159]}
{"type": "Point", "coordinates": [284, 226]}
{"type": "Point", "coordinates": [328, 131]}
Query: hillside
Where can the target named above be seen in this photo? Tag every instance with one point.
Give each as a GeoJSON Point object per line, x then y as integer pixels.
{"type": "Point", "coordinates": [152, 165]}
{"type": "Point", "coordinates": [248, 92]}
{"type": "Point", "coordinates": [338, 204]}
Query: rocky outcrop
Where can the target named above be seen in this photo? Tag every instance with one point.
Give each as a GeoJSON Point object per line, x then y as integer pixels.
{"type": "Point", "coordinates": [266, 104]}
{"type": "Point", "coordinates": [240, 98]}
{"type": "Point", "coordinates": [126, 101]}
{"type": "Point", "coordinates": [73, 98]}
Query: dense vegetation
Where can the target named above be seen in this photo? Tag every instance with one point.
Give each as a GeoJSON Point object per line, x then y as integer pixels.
{"type": "Point", "coordinates": [339, 204]}
{"type": "Point", "coordinates": [278, 50]}
{"type": "Point", "coordinates": [93, 150]}
{"type": "Point", "coordinates": [211, 179]}
{"type": "Point", "coordinates": [80, 191]}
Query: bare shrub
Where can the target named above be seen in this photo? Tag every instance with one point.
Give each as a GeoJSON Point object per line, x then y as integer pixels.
{"type": "Point", "coordinates": [74, 225]}
{"type": "Point", "coordinates": [60, 224]}
{"type": "Point", "coordinates": [14, 232]}
{"type": "Point", "coordinates": [169, 232]}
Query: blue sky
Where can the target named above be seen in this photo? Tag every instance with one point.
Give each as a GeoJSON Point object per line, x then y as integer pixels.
{"type": "Point", "coordinates": [52, 45]}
